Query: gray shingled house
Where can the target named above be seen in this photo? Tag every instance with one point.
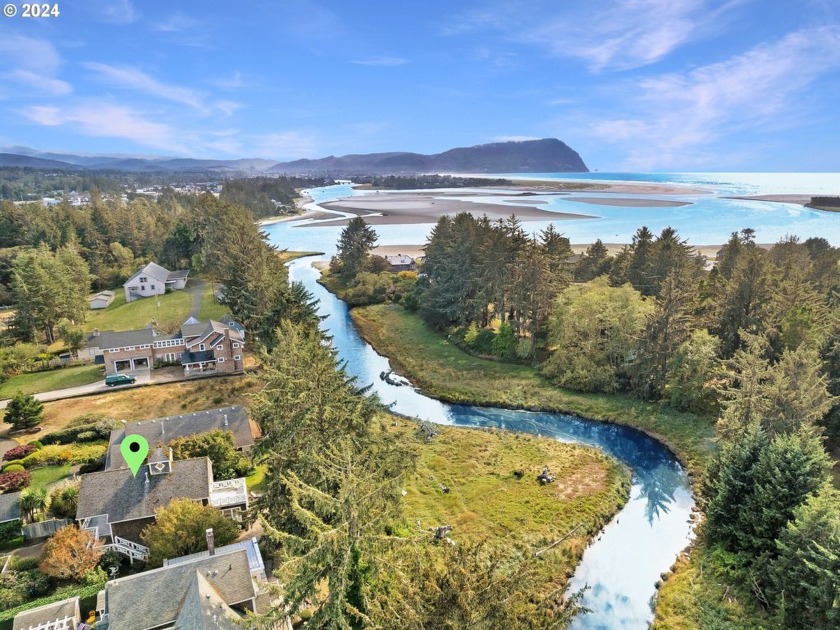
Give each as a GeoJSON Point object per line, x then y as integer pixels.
{"type": "Point", "coordinates": [116, 506]}
{"type": "Point", "coordinates": [164, 430]}
{"type": "Point", "coordinates": [9, 507]}
{"type": "Point", "coordinates": [201, 593]}
{"type": "Point", "coordinates": [61, 615]}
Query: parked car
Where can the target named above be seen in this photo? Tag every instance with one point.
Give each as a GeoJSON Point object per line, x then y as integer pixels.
{"type": "Point", "coordinates": [120, 379]}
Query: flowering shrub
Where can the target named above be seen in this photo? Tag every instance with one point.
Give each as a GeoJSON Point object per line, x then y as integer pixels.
{"type": "Point", "coordinates": [14, 481]}
{"type": "Point", "coordinates": [19, 452]}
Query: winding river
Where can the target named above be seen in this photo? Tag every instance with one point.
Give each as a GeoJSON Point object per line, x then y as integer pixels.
{"type": "Point", "coordinates": [623, 564]}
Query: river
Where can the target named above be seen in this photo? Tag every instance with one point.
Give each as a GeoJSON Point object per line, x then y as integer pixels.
{"type": "Point", "coordinates": [642, 541]}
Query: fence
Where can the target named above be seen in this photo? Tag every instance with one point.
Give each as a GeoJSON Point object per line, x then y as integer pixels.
{"type": "Point", "coordinates": [44, 528]}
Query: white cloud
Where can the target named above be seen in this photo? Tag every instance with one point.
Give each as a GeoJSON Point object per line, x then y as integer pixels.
{"type": "Point", "coordinates": [134, 79]}
{"type": "Point", "coordinates": [33, 63]}
{"type": "Point", "coordinates": [112, 11]}
{"type": "Point", "coordinates": [609, 35]}
{"type": "Point", "coordinates": [108, 120]}
{"type": "Point", "coordinates": [381, 61]}
{"type": "Point", "coordinates": [673, 116]}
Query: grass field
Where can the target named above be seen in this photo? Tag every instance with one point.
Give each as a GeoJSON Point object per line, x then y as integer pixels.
{"type": "Point", "coordinates": [120, 315]}
{"type": "Point", "coordinates": [446, 372]}
{"type": "Point", "coordinates": [210, 308]}
{"type": "Point", "coordinates": [140, 403]}
{"type": "Point", "coordinates": [36, 382]}
{"type": "Point", "coordinates": [48, 475]}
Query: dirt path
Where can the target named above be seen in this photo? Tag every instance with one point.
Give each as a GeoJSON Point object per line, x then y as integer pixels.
{"type": "Point", "coordinates": [196, 291]}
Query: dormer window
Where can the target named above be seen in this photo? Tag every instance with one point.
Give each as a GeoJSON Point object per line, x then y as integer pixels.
{"type": "Point", "coordinates": [160, 467]}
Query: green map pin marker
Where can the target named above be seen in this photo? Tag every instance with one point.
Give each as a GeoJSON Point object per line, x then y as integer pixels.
{"type": "Point", "coordinates": [134, 449]}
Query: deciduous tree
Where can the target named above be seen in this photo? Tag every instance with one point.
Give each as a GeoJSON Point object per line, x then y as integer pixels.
{"type": "Point", "coordinates": [69, 554]}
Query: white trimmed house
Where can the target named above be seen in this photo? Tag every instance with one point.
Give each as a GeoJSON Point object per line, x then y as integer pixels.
{"type": "Point", "coordinates": [154, 280]}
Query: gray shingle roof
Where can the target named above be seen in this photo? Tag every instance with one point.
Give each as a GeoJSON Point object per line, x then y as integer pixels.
{"type": "Point", "coordinates": [125, 338]}
{"type": "Point", "coordinates": [164, 430]}
{"type": "Point", "coordinates": [251, 547]}
{"type": "Point", "coordinates": [50, 612]}
{"type": "Point", "coordinates": [204, 608]}
{"type": "Point", "coordinates": [152, 269]}
{"type": "Point", "coordinates": [123, 497]}
{"type": "Point", "coordinates": [193, 330]}
{"type": "Point", "coordinates": [9, 506]}
{"type": "Point", "coordinates": [180, 273]}
{"type": "Point", "coordinates": [157, 597]}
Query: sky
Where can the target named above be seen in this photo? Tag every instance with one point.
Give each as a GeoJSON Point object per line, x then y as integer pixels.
{"type": "Point", "coordinates": [632, 85]}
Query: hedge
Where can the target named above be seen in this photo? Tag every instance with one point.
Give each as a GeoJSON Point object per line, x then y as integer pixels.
{"type": "Point", "coordinates": [84, 433]}
{"type": "Point", "coordinates": [18, 452]}
{"type": "Point", "coordinates": [62, 593]}
{"type": "Point", "coordinates": [60, 454]}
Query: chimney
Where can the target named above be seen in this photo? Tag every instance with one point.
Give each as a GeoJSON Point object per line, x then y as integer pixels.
{"type": "Point", "coordinates": [211, 547]}
{"type": "Point", "coordinates": [95, 332]}
{"type": "Point", "coordinates": [162, 429]}
{"type": "Point", "coordinates": [226, 422]}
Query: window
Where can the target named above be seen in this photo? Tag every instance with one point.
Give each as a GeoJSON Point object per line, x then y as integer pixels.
{"type": "Point", "coordinates": [143, 347]}
{"type": "Point", "coordinates": [129, 348]}
{"type": "Point", "coordinates": [219, 347]}
{"type": "Point", "coordinates": [236, 345]}
{"type": "Point", "coordinates": [202, 347]}
{"type": "Point", "coordinates": [221, 359]}
{"type": "Point", "coordinates": [153, 287]}
{"type": "Point", "coordinates": [237, 358]}
{"type": "Point", "coordinates": [143, 278]}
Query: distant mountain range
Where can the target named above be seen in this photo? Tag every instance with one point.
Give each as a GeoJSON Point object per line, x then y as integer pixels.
{"type": "Point", "coordinates": [548, 155]}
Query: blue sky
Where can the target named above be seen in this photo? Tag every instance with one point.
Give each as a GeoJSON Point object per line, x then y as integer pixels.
{"type": "Point", "coordinates": [633, 85]}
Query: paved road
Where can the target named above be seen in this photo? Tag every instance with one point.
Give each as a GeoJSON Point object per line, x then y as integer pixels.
{"type": "Point", "coordinates": [98, 387]}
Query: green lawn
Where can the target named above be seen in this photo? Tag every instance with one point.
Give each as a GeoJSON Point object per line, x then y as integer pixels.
{"type": "Point", "coordinates": [256, 480]}
{"type": "Point", "coordinates": [174, 307]}
{"type": "Point", "coordinates": [446, 372]}
{"type": "Point", "coordinates": [36, 382]}
{"type": "Point", "coordinates": [210, 308]}
{"type": "Point", "coordinates": [48, 475]}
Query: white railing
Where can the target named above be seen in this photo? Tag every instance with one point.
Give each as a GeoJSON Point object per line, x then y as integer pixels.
{"type": "Point", "coordinates": [68, 623]}
{"type": "Point", "coordinates": [132, 550]}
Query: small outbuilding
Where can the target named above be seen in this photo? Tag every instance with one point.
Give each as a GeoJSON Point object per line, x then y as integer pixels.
{"type": "Point", "coordinates": [101, 300]}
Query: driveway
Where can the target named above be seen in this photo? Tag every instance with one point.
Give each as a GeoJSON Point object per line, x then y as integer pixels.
{"type": "Point", "coordinates": [99, 387]}
{"type": "Point", "coordinates": [196, 291]}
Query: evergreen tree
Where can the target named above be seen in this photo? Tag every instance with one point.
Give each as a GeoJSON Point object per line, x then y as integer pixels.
{"type": "Point", "coordinates": [24, 411]}
{"type": "Point", "coordinates": [595, 262]}
{"type": "Point", "coordinates": [694, 375]}
{"type": "Point", "coordinates": [353, 248]}
{"type": "Point", "coordinates": [805, 578]}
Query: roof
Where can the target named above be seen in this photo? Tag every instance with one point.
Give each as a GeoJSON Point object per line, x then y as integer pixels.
{"type": "Point", "coordinates": [102, 295]}
{"type": "Point", "coordinates": [123, 497]}
{"type": "Point", "coordinates": [233, 419]}
{"type": "Point", "coordinates": [197, 357]}
{"type": "Point", "coordinates": [193, 330]}
{"type": "Point", "coordinates": [9, 506]}
{"type": "Point", "coordinates": [125, 338]}
{"type": "Point", "coordinates": [228, 321]}
{"type": "Point", "coordinates": [152, 269]}
{"type": "Point", "coordinates": [252, 549]}
{"type": "Point", "coordinates": [400, 259]}
{"type": "Point", "coordinates": [57, 611]}
{"type": "Point", "coordinates": [160, 596]}
{"type": "Point", "coordinates": [177, 275]}
{"type": "Point", "coordinates": [203, 608]}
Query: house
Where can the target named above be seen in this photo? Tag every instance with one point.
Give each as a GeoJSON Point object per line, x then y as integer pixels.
{"type": "Point", "coordinates": [198, 347]}
{"type": "Point", "coordinates": [164, 430]}
{"type": "Point", "coordinates": [101, 300]}
{"type": "Point", "coordinates": [9, 507]}
{"type": "Point", "coordinates": [250, 546]}
{"type": "Point", "coordinates": [154, 280]}
{"type": "Point", "coordinates": [116, 505]}
{"type": "Point", "coordinates": [61, 615]}
{"type": "Point", "coordinates": [212, 591]}
{"type": "Point", "coordinates": [401, 262]}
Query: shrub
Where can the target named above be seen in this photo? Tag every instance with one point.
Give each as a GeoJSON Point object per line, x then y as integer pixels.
{"type": "Point", "coordinates": [19, 452]}
{"type": "Point", "coordinates": [64, 500]}
{"type": "Point", "coordinates": [13, 462]}
{"type": "Point", "coordinates": [60, 454]}
{"type": "Point", "coordinates": [9, 531]}
{"type": "Point", "coordinates": [94, 466]}
{"type": "Point", "coordinates": [99, 430]}
{"type": "Point", "coordinates": [87, 419]}
{"type": "Point", "coordinates": [23, 564]}
{"type": "Point", "coordinates": [14, 481]}
{"type": "Point", "coordinates": [13, 468]}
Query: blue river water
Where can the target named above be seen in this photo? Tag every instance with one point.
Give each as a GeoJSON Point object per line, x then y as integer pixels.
{"type": "Point", "coordinates": [622, 566]}
{"type": "Point", "coordinates": [641, 542]}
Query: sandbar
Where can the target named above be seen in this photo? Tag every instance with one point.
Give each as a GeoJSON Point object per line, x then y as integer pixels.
{"type": "Point", "coordinates": [630, 203]}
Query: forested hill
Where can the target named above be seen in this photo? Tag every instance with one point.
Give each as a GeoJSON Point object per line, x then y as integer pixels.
{"type": "Point", "coordinates": [548, 155]}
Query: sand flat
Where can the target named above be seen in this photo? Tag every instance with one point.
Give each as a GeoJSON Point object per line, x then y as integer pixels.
{"type": "Point", "coordinates": [630, 202]}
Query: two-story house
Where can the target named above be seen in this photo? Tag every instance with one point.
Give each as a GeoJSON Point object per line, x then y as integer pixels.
{"type": "Point", "coordinates": [198, 347]}
{"type": "Point", "coordinates": [154, 280]}
{"type": "Point", "coordinates": [116, 505]}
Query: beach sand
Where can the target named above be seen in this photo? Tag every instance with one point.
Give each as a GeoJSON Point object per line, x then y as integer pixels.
{"type": "Point", "coordinates": [630, 203]}
{"type": "Point", "coordinates": [413, 208]}
{"type": "Point", "coordinates": [797, 199]}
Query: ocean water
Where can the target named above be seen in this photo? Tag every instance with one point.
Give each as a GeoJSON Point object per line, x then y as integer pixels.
{"type": "Point", "coordinates": [708, 219]}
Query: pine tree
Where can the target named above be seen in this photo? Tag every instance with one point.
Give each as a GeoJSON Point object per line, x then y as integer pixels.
{"type": "Point", "coordinates": [24, 411]}
{"type": "Point", "coordinates": [805, 578]}
{"type": "Point", "coordinates": [353, 248]}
